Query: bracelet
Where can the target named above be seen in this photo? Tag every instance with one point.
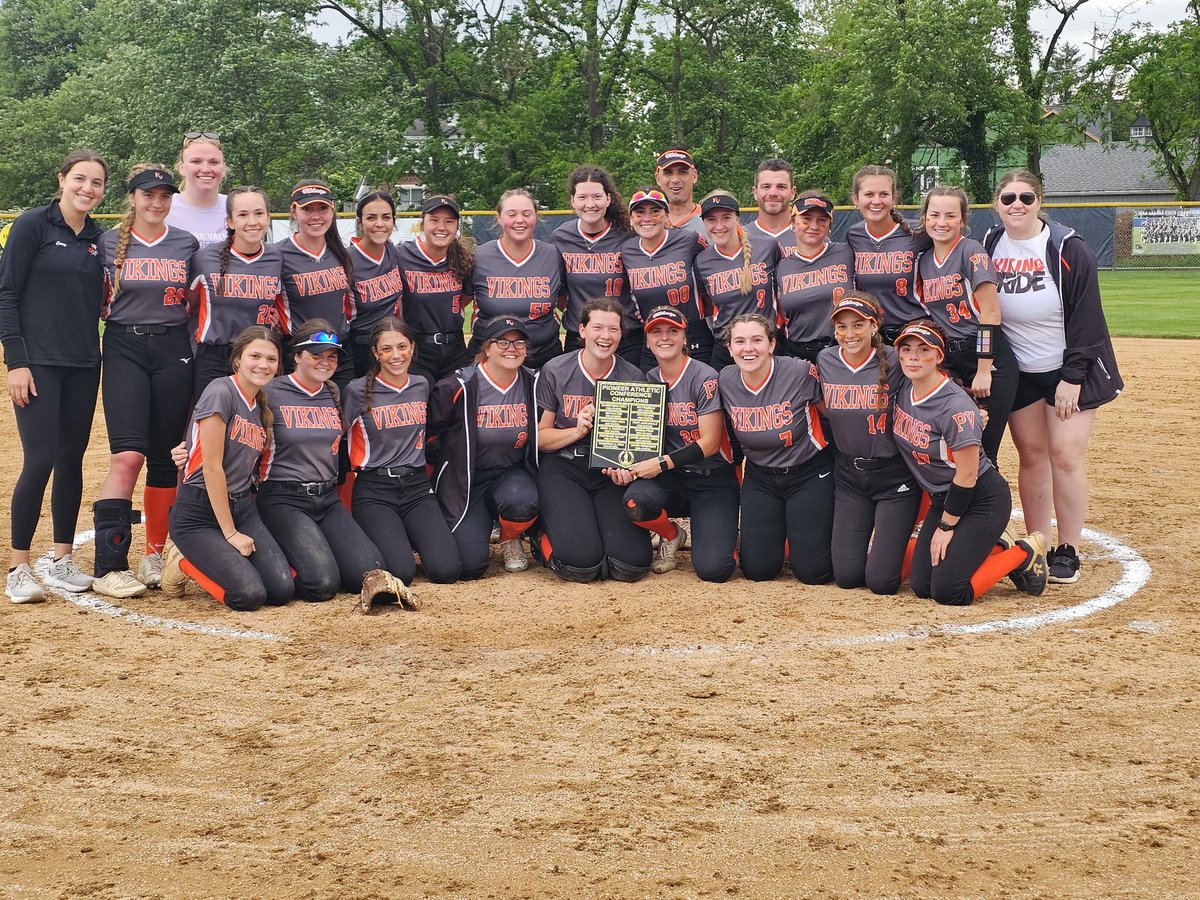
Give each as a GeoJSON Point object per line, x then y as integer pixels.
{"type": "Point", "coordinates": [228, 536]}
{"type": "Point", "coordinates": [983, 342]}
{"type": "Point", "coordinates": [686, 456]}
{"type": "Point", "coordinates": [958, 498]}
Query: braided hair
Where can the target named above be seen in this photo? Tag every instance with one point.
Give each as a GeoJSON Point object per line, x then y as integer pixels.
{"type": "Point", "coordinates": [240, 343]}
{"type": "Point", "coordinates": [227, 245]}
{"type": "Point", "coordinates": [389, 323]}
{"type": "Point", "coordinates": [125, 226]}
{"type": "Point", "coordinates": [880, 172]}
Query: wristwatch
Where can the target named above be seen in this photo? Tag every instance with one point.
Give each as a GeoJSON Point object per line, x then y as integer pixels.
{"type": "Point", "coordinates": [943, 525]}
{"type": "Point", "coordinates": [662, 463]}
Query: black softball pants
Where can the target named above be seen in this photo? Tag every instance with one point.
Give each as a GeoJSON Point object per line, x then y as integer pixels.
{"type": "Point", "coordinates": [147, 381]}
{"type": "Point", "coordinates": [436, 361]}
{"type": "Point", "coordinates": [400, 513]}
{"type": "Point", "coordinates": [54, 427]}
{"type": "Point", "coordinates": [211, 362]}
{"type": "Point", "coordinates": [510, 495]}
{"type": "Point", "coordinates": [1005, 377]}
{"type": "Point", "coordinates": [321, 541]}
{"type": "Point", "coordinates": [583, 514]}
{"type": "Point", "coordinates": [875, 506]}
{"type": "Point", "coordinates": [245, 582]}
{"type": "Point", "coordinates": [792, 505]}
{"type": "Point", "coordinates": [710, 497]}
{"type": "Point", "coordinates": [979, 529]}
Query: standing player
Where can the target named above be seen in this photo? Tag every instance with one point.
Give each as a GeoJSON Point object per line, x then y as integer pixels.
{"type": "Point", "coordinates": [51, 292]}
{"type": "Point", "coordinates": [519, 277]}
{"type": "Point", "coordinates": [938, 429]}
{"type": "Point", "coordinates": [875, 497]}
{"type": "Point", "coordinates": [200, 206]}
{"type": "Point", "coordinates": [693, 477]}
{"type": "Point", "coordinates": [738, 278]}
{"type": "Point", "coordinates": [660, 265]}
{"type": "Point", "coordinates": [386, 417]}
{"type": "Point", "coordinates": [586, 529]}
{"type": "Point", "coordinates": [774, 191]}
{"type": "Point", "coordinates": [591, 250]}
{"type": "Point", "coordinates": [236, 283]}
{"type": "Point", "coordinates": [957, 286]}
{"type": "Point", "coordinates": [884, 248]}
{"type": "Point", "coordinates": [214, 521]}
{"type": "Point", "coordinates": [147, 376]}
{"type": "Point", "coordinates": [436, 268]}
{"type": "Point", "coordinates": [486, 424]}
{"type": "Point", "coordinates": [378, 283]}
{"type": "Point", "coordinates": [787, 493]}
{"type": "Point", "coordinates": [1050, 297]}
{"type": "Point", "coordinates": [810, 280]}
{"type": "Point", "coordinates": [676, 177]}
{"type": "Point", "coordinates": [317, 269]}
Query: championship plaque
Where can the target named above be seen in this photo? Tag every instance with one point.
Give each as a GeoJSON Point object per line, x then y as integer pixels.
{"type": "Point", "coordinates": [629, 421]}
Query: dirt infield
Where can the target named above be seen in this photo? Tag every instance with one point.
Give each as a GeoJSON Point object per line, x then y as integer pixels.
{"type": "Point", "coordinates": [522, 737]}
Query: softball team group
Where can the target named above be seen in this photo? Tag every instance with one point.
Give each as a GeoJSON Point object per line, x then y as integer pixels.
{"type": "Point", "coordinates": [823, 398]}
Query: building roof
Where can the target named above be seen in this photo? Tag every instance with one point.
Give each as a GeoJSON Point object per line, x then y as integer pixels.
{"type": "Point", "coordinates": [1110, 169]}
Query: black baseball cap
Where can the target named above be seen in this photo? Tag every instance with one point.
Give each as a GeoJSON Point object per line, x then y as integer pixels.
{"type": "Point", "coordinates": [437, 201]}
{"type": "Point", "coordinates": [923, 333]}
{"type": "Point", "coordinates": [152, 178]}
{"type": "Point", "coordinates": [719, 201]}
{"type": "Point", "coordinates": [664, 315]}
{"type": "Point", "coordinates": [500, 326]}
{"type": "Point", "coordinates": [856, 306]}
{"type": "Point", "coordinates": [808, 204]}
{"type": "Point", "coordinates": [675, 155]}
{"type": "Point", "coordinates": [305, 194]}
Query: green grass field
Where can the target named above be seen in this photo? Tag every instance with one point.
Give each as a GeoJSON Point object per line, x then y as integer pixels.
{"type": "Point", "coordinates": [1152, 304]}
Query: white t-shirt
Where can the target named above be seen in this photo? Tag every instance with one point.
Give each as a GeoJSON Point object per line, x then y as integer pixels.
{"type": "Point", "coordinates": [208, 225]}
{"type": "Point", "coordinates": [1030, 305]}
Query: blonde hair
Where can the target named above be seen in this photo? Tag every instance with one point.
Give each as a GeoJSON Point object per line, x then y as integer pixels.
{"type": "Point", "coordinates": [743, 239]}
{"type": "Point", "coordinates": [188, 142]}
{"type": "Point", "coordinates": [125, 226]}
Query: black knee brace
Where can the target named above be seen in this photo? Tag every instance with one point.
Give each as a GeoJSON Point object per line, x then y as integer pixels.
{"type": "Point", "coordinates": [111, 519]}
{"type": "Point", "coordinates": [572, 573]}
{"type": "Point", "coordinates": [623, 571]}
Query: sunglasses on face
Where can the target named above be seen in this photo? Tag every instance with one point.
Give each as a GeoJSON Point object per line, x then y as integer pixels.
{"type": "Point", "coordinates": [505, 343]}
{"type": "Point", "coordinates": [1008, 198]}
{"type": "Point", "coordinates": [196, 135]}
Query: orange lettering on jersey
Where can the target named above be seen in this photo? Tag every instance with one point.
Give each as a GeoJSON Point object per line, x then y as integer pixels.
{"type": "Point", "coordinates": [173, 270]}
{"type": "Point", "coordinates": [772, 417]}
{"type": "Point", "coordinates": [399, 415]}
{"type": "Point", "coordinates": [593, 263]}
{"type": "Point", "coordinates": [321, 282]}
{"type": "Point", "coordinates": [243, 431]}
{"type": "Point", "coordinates": [800, 281]}
{"type": "Point", "coordinates": [503, 415]}
{"type": "Point", "coordinates": [944, 287]}
{"type": "Point", "coordinates": [657, 276]}
{"type": "Point", "coordinates": [381, 287]}
{"type": "Point", "coordinates": [518, 287]}
{"type": "Point", "coordinates": [910, 429]}
{"type": "Point", "coordinates": [310, 417]}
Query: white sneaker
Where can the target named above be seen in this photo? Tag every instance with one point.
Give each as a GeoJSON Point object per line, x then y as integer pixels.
{"type": "Point", "coordinates": [515, 559]}
{"type": "Point", "coordinates": [665, 556]}
{"type": "Point", "coordinates": [22, 587]}
{"type": "Point", "coordinates": [150, 569]}
{"type": "Point", "coordinates": [61, 573]}
{"type": "Point", "coordinates": [120, 585]}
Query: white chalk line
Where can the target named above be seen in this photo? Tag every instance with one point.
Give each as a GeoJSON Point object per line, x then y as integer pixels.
{"type": "Point", "coordinates": [93, 603]}
{"type": "Point", "coordinates": [1135, 572]}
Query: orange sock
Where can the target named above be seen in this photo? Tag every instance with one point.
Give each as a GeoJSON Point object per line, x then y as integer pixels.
{"type": "Point", "coordinates": [906, 566]}
{"type": "Point", "coordinates": [996, 567]}
{"type": "Point", "coordinates": [346, 490]}
{"type": "Point", "coordinates": [203, 580]}
{"type": "Point", "coordinates": [661, 526]}
{"type": "Point", "coordinates": [156, 507]}
{"type": "Point", "coordinates": [510, 530]}
{"type": "Point", "coordinates": [547, 550]}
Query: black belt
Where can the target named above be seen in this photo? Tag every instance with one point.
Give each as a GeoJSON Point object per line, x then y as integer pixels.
{"type": "Point", "coordinates": [203, 491]}
{"type": "Point", "coordinates": [812, 345]}
{"type": "Point", "coordinates": [869, 463]}
{"type": "Point", "coordinates": [809, 465]}
{"type": "Point", "coordinates": [311, 488]}
{"type": "Point", "coordinates": [393, 471]}
{"type": "Point", "coordinates": [150, 329]}
{"type": "Point", "coordinates": [441, 338]}
{"type": "Point", "coordinates": [573, 452]}
{"type": "Point", "coordinates": [699, 471]}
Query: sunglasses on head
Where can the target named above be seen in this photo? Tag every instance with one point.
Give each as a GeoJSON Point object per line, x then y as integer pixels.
{"type": "Point", "coordinates": [647, 195]}
{"type": "Point", "coordinates": [1008, 198]}
{"type": "Point", "coordinates": [322, 337]}
{"type": "Point", "coordinates": [196, 135]}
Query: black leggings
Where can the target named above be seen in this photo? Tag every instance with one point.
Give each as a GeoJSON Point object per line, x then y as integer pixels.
{"type": "Point", "coordinates": [507, 494]}
{"type": "Point", "coordinates": [246, 582]}
{"type": "Point", "coordinates": [148, 381]}
{"type": "Point", "coordinates": [878, 509]}
{"type": "Point", "coordinates": [1005, 377]}
{"type": "Point", "coordinates": [710, 497]}
{"type": "Point", "coordinates": [976, 534]}
{"type": "Point", "coordinates": [400, 513]}
{"type": "Point", "coordinates": [584, 517]}
{"type": "Point", "coordinates": [322, 542]}
{"type": "Point", "coordinates": [795, 508]}
{"type": "Point", "coordinates": [55, 427]}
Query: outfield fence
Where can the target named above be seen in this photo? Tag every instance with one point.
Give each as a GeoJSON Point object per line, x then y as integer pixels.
{"type": "Point", "coordinates": [1122, 235]}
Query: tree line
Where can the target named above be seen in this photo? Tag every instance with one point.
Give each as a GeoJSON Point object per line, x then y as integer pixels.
{"type": "Point", "coordinates": [494, 94]}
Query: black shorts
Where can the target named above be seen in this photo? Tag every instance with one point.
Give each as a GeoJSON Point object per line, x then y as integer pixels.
{"type": "Point", "coordinates": [1035, 386]}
